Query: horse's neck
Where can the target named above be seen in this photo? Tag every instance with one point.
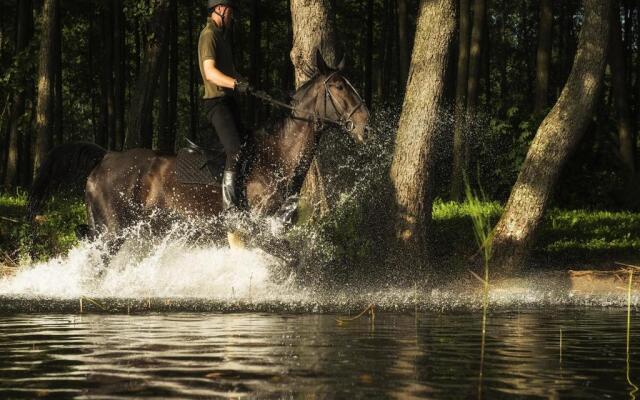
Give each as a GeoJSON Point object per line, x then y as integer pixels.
{"type": "Point", "coordinates": [297, 145]}
{"type": "Point", "coordinates": [294, 146]}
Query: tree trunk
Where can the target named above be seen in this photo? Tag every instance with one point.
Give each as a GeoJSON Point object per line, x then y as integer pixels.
{"type": "Point", "coordinates": [543, 59]}
{"type": "Point", "coordinates": [637, 71]}
{"type": "Point", "coordinates": [387, 59]}
{"type": "Point", "coordinates": [421, 123]}
{"type": "Point", "coordinates": [163, 104]}
{"type": "Point", "coordinates": [141, 108]}
{"type": "Point", "coordinates": [167, 95]}
{"type": "Point", "coordinates": [107, 134]}
{"type": "Point", "coordinates": [119, 79]}
{"type": "Point", "coordinates": [46, 76]}
{"type": "Point", "coordinates": [403, 41]}
{"type": "Point", "coordinates": [58, 113]}
{"type": "Point", "coordinates": [475, 55]}
{"type": "Point", "coordinates": [313, 28]}
{"type": "Point", "coordinates": [24, 31]}
{"type": "Point", "coordinates": [502, 62]}
{"type": "Point", "coordinates": [368, 64]}
{"type": "Point", "coordinates": [619, 84]}
{"type": "Point", "coordinates": [554, 142]}
{"type": "Point", "coordinates": [460, 150]}
{"type": "Point", "coordinates": [255, 57]}
{"type": "Point", "coordinates": [173, 78]}
{"type": "Point", "coordinates": [193, 80]}
{"type": "Point", "coordinates": [2, 28]}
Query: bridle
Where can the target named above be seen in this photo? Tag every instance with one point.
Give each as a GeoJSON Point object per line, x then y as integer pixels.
{"type": "Point", "coordinates": [344, 118]}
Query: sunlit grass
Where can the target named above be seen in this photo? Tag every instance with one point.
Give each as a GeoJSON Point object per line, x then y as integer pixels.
{"type": "Point", "coordinates": [573, 235]}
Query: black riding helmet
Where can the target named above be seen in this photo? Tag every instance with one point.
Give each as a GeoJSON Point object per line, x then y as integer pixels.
{"type": "Point", "coordinates": [211, 4]}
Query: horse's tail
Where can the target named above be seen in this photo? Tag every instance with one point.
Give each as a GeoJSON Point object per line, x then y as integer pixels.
{"type": "Point", "coordinates": [65, 169]}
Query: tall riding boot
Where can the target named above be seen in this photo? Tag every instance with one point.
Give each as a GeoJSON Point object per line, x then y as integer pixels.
{"type": "Point", "coordinates": [229, 196]}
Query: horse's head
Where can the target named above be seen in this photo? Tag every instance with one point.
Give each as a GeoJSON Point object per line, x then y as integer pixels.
{"type": "Point", "coordinates": [338, 100]}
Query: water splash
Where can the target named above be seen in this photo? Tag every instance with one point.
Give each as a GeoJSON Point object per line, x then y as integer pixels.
{"type": "Point", "coordinates": [205, 276]}
{"type": "Point", "coordinates": [169, 266]}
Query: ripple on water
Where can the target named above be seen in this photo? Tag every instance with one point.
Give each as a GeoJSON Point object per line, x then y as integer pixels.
{"type": "Point", "coordinates": [429, 355]}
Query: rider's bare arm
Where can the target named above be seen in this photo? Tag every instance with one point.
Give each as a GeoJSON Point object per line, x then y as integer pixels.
{"type": "Point", "coordinates": [215, 76]}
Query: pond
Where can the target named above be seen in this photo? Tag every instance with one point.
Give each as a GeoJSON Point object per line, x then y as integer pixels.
{"type": "Point", "coordinates": [541, 352]}
{"type": "Point", "coordinates": [184, 321]}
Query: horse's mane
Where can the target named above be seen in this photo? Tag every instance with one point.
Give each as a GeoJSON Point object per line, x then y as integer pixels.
{"type": "Point", "coordinates": [277, 122]}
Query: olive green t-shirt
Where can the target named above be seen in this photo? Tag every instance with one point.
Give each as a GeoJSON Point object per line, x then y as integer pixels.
{"type": "Point", "coordinates": [215, 45]}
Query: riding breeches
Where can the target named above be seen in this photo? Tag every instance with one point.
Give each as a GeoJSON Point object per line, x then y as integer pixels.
{"type": "Point", "coordinates": [224, 116]}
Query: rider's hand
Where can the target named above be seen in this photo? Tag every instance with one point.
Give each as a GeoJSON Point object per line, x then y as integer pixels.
{"type": "Point", "coordinates": [242, 86]}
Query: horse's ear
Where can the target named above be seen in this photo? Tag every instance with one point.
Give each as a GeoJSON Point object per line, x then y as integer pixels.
{"type": "Point", "coordinates": [320, 63]}
{"type": "Point", "coordinates": [342, 63]}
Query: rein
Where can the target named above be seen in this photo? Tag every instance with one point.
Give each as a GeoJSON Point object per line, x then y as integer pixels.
{"type": "Point", "coordinates": [318, 121]}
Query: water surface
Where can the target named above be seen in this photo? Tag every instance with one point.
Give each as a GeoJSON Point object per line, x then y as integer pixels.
{"type": "Point", "coordinates": [426, 355]}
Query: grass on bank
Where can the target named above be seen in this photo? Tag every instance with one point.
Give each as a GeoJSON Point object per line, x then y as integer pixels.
{"type": "Point", "coordinates": [580, 236]}
{"type": "Point", "coordinates": [566, 235]}
{"type": "Point", "coordinates": [55, 234]}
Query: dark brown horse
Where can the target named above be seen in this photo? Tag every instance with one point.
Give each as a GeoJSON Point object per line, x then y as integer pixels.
{"type": "Point", "coordinates": [124, 187]}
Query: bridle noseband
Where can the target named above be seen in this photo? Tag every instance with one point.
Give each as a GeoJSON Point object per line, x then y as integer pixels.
{"type": "Point", "coordinates": [344, 118]}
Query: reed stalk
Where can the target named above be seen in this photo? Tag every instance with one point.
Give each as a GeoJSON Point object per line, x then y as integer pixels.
{"type": "Point", "coordinates": [482, 231]}
{"type": "Point", "coordinates": [634, 390]}
{"type": "Point", "coordinates": [560, 346]}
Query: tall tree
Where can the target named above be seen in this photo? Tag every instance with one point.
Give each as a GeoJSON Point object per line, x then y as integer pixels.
{"type": "Point", "coordinates": [141, 107]}
{"type": "Point", "coordinates": [168, 85]}
{"type": "Point", "coordinates": [619, 83]}
{"type": "Point", "coordinates": [368, 63]}
{"type": "Point", "coordinates": [24, 32]}
{"type": "Point", "coordinates": [403, 40]}
{"type": "Point", "coordinates": [460, 145]}
{"type": "Point", "coordinates": [475, 55]}
{"type": "Point", "coordinates": [119, 71]}
{"type": "Point", "coordinates": [163, 103]}
{"type": "Point", "coordinates": [46, 76]}
{"type": "Point", "coordinates": [313, 28]}
{"type": "Point", "coordinates": [193, 78]}
{"type": "Point", "coordinates": [173, 77]}
{"type": "Point", "coordinates": [58, 114]}
{"type": "Point", "coordinates": [255, 56]}
{"type": "Point", "coordinates": [106, 132]}
{"type": "Point", "coordinates": [543, 57]}
{"type": "Point", "coordinates": [420, 125]}
{"type": "Point", "coordinates": [554, 142]}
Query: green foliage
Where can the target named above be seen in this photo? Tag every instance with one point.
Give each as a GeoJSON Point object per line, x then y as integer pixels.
{"type": "Point", "coordinates": [578, 236]}
{"type": "Point", "coordinates": [482, 227]}
{"type": "Point", "coordinates": [499, 146]}
{"type": "Point", "coordinates": [601, 233]}
{"type": "Point", "coordinates": [52, 235]}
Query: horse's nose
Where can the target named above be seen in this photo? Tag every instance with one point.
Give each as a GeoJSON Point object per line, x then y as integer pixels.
{"type": "Point", "coordinates": [367, 132]}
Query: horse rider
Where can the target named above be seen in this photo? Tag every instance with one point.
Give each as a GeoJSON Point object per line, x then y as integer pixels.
{"type": "Point", "coordinates": [215, 58]}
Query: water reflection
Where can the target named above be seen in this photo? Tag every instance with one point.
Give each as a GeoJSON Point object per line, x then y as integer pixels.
{"type": "Point", "coordinates": [234, 355]}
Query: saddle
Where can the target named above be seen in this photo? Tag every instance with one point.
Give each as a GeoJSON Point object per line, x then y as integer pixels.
{"type": "Point", "coordinates": [199, 166]}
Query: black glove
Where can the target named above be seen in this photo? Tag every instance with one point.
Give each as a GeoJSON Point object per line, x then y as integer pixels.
{"type": "Point", "coordinates": [242, 86]}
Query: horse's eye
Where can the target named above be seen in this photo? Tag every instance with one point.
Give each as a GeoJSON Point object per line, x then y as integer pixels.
{"type": "Point", "coordinates": [339, 87]}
